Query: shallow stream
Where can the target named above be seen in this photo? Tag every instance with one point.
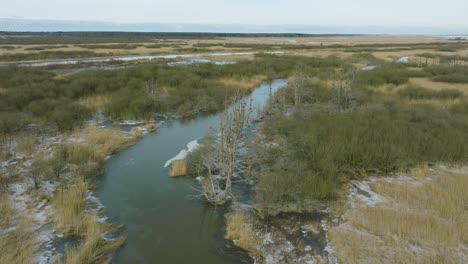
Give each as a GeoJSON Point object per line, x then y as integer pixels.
{"type": "Point", "coordinates": [162, 220]}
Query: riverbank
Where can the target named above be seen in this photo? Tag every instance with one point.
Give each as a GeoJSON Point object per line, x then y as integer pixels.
{"type": "Point", "coordinates": [47, 183]}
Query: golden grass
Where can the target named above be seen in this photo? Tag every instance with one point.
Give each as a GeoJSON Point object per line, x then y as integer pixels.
{"type": "Point", "coordinates": [240, 228]}
{"type": "Point", "coordinates": [6, 212]}
{"type": "Point", "coordinates": [17, 245]}
{"type": "Point", "coordinates": [71, 219]}
{"type": "Point", "coordinates": [247, 83]}
{"type": "Point", "coordinates": [429, 84]}
{"type": "Point", "coordinates": [69, 208]}
{"type": "Point", "coordinates": [423, 220]}
{"type": "Point", "coordinates": [97, 102]}
{"type": "Point", "coordinates": [178, 168]}
{"type": "Point", "coordinates": [98, 144]}
{"type": "Point", "coordinates": [94, 249]}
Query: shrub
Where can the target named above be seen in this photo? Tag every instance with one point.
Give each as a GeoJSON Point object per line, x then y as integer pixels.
{"type": "Point", "coordinates": [415, 93]}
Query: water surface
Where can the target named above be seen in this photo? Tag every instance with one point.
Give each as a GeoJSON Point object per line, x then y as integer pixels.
{"type": "Point", "coordinates": [163, 222]}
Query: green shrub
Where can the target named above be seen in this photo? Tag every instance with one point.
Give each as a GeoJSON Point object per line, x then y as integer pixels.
{"type": "Point", "coordinates": [449, 74]}
{"type": "Point", "coordinates": [415, 93]}
{"type": "Point", "coordinates": [319, 151]}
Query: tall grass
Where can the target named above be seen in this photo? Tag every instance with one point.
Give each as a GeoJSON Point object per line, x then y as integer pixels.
{"type": "Point", "coordinates": [69, 208]}
{"type": "Point", "coordinates": [17, 245]}
{"type": "Point", "coordinates": [240, 227]}
{"type": "Point", "coordinates": [418, 93]}
{"type": "Point", "coordinates": [71, 218]}
{"type": "Point", "coordinates": [319, 148]}
{"type": "Point", "coordinates": [421, 221]}
{"type": "Point", "coordinates": [94, 249]}
{"type": "Point", "coordinates": [448, 73]}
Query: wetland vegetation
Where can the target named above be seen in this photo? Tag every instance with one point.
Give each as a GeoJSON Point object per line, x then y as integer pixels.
{"type": "Point", "coordinates": [384, 140]}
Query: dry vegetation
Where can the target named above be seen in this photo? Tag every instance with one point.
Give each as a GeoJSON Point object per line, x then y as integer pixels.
{"type": "Point", "coordinates": [423, 219]}
{"type": "Point", "coordinates": [71, 216]}
{"type": "Point", "coordinates": [72, 219]}
{"type": "Point", "coordinates": [241, 229]}
{"type": "Point", "coordinates": [17, 244]}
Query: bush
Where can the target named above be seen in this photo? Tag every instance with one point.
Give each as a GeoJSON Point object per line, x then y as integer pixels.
{"type": "Point", "coordinates": [387, 74]}
{"type": "Point", "coordinates": [449, 74]}
{"type": "Point", "coordinates": [69, 116]}
{"type": "Point", "coordinates": [320, 151]}
{"type": "Point", "coordinates": [415, 93]}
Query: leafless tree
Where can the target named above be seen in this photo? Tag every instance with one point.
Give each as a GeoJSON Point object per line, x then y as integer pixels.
{"type": "Point", "coordinates": [271, 76]}
{"type": "Point", "coordinates": [154, 94]}
{"type": "Point", "coordinates": [298, 83]}
{"type": "Point", "coordinates": [343, 91]}
{"type": "Point", "coordinates": [224, 163]}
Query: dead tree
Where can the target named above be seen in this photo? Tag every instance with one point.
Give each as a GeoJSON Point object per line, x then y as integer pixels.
{"type": "Point", "coordinates": [298, 83]}
{"type": "Point", "coordinates": [271, 76]}
{"type": "Point", "coordinates": [223, 164]}
{"type": "Point", "coordinates": [153, 94]}
{"type": "Point", "coordinates": [343, 91]}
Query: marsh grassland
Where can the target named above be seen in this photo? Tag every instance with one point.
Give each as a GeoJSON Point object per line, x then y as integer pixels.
{"type": "Point", "coordinates": [361, 158]}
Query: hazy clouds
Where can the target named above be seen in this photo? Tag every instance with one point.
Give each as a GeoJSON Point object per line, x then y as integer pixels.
{"type": "Point", "coordinates": [413, 13]}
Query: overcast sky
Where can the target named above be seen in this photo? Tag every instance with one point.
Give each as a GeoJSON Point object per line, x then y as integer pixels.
{"type": "Point", "coordinates": [394, 13]}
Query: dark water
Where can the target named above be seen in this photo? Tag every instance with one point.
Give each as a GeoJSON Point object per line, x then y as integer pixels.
{"type": "Point", "coordinates": [163, 223]}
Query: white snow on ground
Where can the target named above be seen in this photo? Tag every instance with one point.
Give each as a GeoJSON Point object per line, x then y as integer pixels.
{"type": "Point", "coordinates": [191, 146]}
{"type": "Point", "coordinates": [131, 123]}
{"type": "Point", "coordinates": [199, 61]}
{"type": "Point", "coordinates": [404, 60]}
{"type": "Point", "coordinates": [363, 192]}
{"type": "Point", "coordinates": [332, 259]}
{"type": "Point", "coordinates": [141, 57]}
{"type": "Point", "coordinates": [369, 68]}
{"type": "Point", "coordinates": [18, 196]}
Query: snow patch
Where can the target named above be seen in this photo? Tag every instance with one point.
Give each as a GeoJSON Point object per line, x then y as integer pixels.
{"type": "Point", "coordinates": [363, 192]}
{"type": "Point", "coordinates": [131, 123]}
{"type": "Point", "coordinates": [191, 146]}
{"type": "Point", "coordinates": [199, 61]}
{"type": "Point", "coordinates": [404, 60]}
{"type": "Point", "coordinates": [369, 68]}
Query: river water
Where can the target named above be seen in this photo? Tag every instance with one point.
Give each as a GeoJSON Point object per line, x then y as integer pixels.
{"type": "Point", "coordinates": [132, 58]}
{"type": "Point", "coordinates": [162, 220]}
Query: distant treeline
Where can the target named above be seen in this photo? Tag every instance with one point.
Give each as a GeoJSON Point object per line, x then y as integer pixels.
{"type": "Point", "coordinates": [100, 37]}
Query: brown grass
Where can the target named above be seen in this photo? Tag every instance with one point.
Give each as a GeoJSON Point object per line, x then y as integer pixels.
{"type": "Point", "coordinates": [97, 102]}
{"type": "Point", "coordinates": [244, 83]}
{"type": "Point", "coordinates": [6, 212]}
{"type": "Point", "coordinates": [98, 143]}
{"type": "Point", "coordinates": [94, 249]}
{"type": "Point", "coordinates": [17, 245]}
{"type": "Point", "coordinates": [69, 208]}
{"type": "Point", "coordinates": [429, 84]}
{"type": "Point", "coordinates": [178, 168]}
{"type": "Point", "coordinates": [71, 219]}
{"type": "Point", "coordinates": [25, 143]}
{"type": "Point", "coordinates": [423, 220]}
{"type": "Point", "coordinates": [240, 228]}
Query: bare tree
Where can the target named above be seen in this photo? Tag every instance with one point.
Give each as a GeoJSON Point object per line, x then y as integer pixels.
{"type": "Point", "coordinates": [271, 76]}
{"type": "Point", "coordinates": [154, 94]}
{"type": "Point", "coordinates": [298, 82]}
{"type": "Point", "coordinates": [223, 163]}
{"type": "Point", "coordinates": [343, 91]}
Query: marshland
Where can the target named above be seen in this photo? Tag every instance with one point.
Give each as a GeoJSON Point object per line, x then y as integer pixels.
{"type": "Point", "coordinates": [233, 148]}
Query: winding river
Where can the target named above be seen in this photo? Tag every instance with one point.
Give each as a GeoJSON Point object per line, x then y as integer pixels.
{"type": "Point", "coordinates": [162, 220]}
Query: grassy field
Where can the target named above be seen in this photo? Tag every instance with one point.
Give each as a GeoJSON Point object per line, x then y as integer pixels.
{"type": "Point", "coordinates": [421, 220]}
{"type": "Point", "coordinates": [333, 124]}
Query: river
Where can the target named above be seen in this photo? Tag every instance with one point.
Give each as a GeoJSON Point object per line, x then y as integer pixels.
{"type": "Point", "coordinates": [162, 220]}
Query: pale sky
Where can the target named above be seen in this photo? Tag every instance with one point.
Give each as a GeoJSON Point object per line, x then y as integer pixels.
{"type": "Point", "coordinates": [392, 13]}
